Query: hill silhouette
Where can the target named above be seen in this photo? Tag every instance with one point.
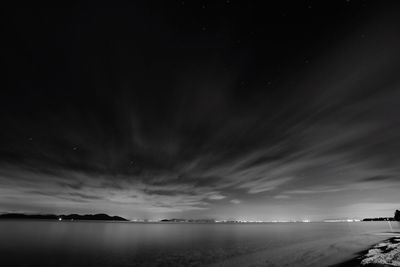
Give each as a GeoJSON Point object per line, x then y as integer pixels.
{"type": "Point", "coordinates": [77, 217]}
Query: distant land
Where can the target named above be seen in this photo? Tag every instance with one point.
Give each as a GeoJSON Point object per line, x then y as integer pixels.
{"type": "Point", "coordinates": [190, 220]}
{"type": "Point", "coordinates": [105, 217]}
{"type": "Point", "coordinates": [70, 217]}
{"type": "Point", "coordinates": [378, 219]}
{"type": "Point", "coordinates": [395, 218]}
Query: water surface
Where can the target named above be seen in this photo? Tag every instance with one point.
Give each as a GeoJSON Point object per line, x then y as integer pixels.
{"type": "Point", "coordinates": [50, 243]}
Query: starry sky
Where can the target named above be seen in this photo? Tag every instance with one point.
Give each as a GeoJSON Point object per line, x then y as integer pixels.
{"type": "Point", "coordinates": [253, 110]}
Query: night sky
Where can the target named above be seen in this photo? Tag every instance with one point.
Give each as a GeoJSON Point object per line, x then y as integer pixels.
{"type": "Point", "coordinates": [254, 110]}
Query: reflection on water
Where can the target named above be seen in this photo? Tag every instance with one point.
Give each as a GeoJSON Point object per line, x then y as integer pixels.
{"type": "Point", "coordinates": [45, 243]}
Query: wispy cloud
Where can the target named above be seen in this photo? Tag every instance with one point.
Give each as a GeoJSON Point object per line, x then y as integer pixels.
{"type": "Point", "coordinates": [317, 190]}
{"type": "Point", "coordinates": [263, 185]}
{"type": "Point", "coordinates": [235, 201]}
{"type": "Point", "coordinates": [282, 197]}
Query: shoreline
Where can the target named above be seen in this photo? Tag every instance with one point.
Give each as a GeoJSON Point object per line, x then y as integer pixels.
{"type": "Point", "coordinates": [342, 252]}
{"type": "Point", "coordinates": [382, 254]}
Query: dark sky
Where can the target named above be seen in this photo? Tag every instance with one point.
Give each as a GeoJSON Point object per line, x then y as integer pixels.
{"type": "Point", "coordinates": [202, 109]}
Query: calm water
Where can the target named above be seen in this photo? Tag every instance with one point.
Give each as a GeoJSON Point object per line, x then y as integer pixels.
{"type": "Point", "coordinates": [46, 243]}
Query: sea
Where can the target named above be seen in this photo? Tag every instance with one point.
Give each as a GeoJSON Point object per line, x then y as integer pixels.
{"type": "Point", "coordinates": [87, 243]}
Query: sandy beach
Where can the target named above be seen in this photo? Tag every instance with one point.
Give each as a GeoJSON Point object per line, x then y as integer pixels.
{"type": "Point", "coordinates": [382, 249]}
{"type": "Point", "coordinates": [385, 253]}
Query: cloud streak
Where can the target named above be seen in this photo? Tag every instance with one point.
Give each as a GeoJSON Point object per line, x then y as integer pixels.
{"type": "Point", "coordinates": [182, 122]}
